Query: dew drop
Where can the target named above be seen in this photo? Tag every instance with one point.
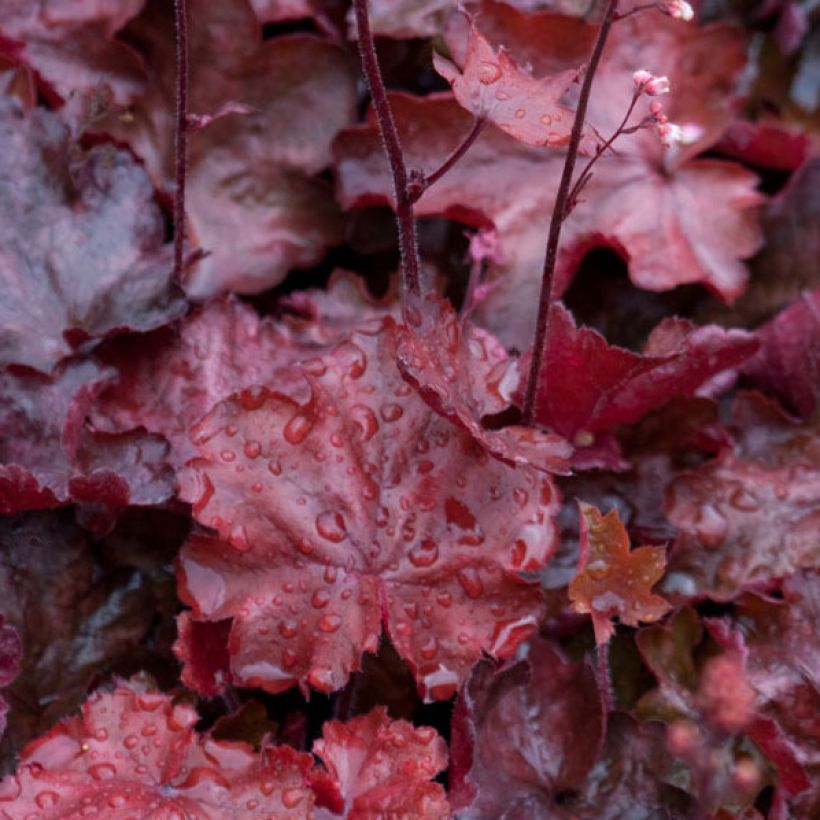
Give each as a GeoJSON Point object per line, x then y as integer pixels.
{"type": "Point", "coordinates": [297, 429]}
{"type": "Point", "coordinates": [288, 629]}
{"type": "Point", "coordinates": [117, 801]}
{"type": "Point", "coordinates": [238, 538]}
{"type": "Point", "coordinates": [47, 799]}
{"type": "Point", "coordinates": [364, 419]}
{"type": "Point", "coordinates": [329, 623]}
{"type": "Point", "coordinates": [252, 398]}
{"type": "Point", "coordinates": [489, 73]}
{"type": "Point", "coordinates": [320, 599]}
{"type": "Point", "coordinates": [545, 119]}
{"type": "Point", "coordinates": [743, 500]}
{"type": "Point", "coordinates": [424, 555]}
{"type": "Point", "coordinates": [274, 468]}
{"type": "Point", "coordinates": [289, 658]}
{"type": "Point", "coordinates": [252, 448]}
{"type": "Point", "coordinates": [470, 582]}
{"type": "Point", "coordinates": [597, 570]}
{"type": "Point", "coordinates": [130, 741]}
{"type": "Point", "coordinates": [227, 456]}
{"type": "Point", "coordinates": [520, 113]}
{"type": "Point", "coordinates": [391, 412]}
{"type": "Point", "coordinates": [102, 771]}
{"type": "Point", "coordinates": [429, 650]}
{"type": "Point", "coordinates": [291, 798]}
{"type": "Point", "coordinates": [331, 526]}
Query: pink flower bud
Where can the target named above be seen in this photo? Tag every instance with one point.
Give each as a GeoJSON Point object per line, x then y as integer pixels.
{"type": "Point", "coordinates": [658, 85]}
{"type": "Point", "coordinates": [641, 78]}
{"type": "Point", "coordinates": [679, 9]}
{"type": "Point", "coordinates": [670, 133]}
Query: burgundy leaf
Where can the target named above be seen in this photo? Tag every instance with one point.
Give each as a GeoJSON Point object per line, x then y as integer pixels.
{"type": "Point", "coordinates": [594, 387]}
{"type": "Point", "coordinates": [359, 506]}
{"type": "Point", "coordinates": [83, 610]}
{"type": "Point", "coordinates": [788, 362]}
{"type": "Point", "coordinates": [464, 374]}
{"type": "Point", "coordinates": [532, 740]}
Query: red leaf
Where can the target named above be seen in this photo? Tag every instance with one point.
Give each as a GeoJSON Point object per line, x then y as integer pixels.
{"type": "Point", "coordinates": [532, 740]}
{"type": "Point", "coordinates": [381, 768]}
{"type": "Point", "coordinates": [788, 362]}
{"type": "Point", "coordinates": [594, 387]}
{"type": "Point", "coordinates": [358, 507]}
{"type": "Point", "coordinates": [137, 752]}
{"type": "Point", "coordinates": [253, 202]}
{"type": "Point", "coordinates": [612, 580]}
{"type": "Point", "coordinates": [493, 86]}
{"type": "Point", "coordinates": [744, 520]}
{"type": "Point", "coordinates": [464, 374]}
{"type": "Point", "coordinates": [83, 243]}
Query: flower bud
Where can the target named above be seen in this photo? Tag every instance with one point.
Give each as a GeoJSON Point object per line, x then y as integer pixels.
{"type": "Point", "coordinates": [679, 9]}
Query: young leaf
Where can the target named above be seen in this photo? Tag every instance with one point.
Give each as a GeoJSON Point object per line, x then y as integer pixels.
{"type": "Point", "coordinates": [612, 580]}
{"type": "Point", "coordinates": [358, 506]}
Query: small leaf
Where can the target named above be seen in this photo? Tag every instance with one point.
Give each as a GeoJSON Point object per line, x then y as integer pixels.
{"type": "Point", "coordinates": [613, 581]}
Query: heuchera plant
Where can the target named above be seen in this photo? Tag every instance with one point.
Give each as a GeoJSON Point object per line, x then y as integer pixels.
{"type": "Point", "coordinates": [511, 511]}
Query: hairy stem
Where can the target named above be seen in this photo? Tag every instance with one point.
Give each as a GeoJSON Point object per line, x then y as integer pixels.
{"type": "Point", "coordinates": [181, 136]}
{"type": "Point", "coordinates": [561, 200]}
{"type": "Point", "coordinates": [408, 242]}
{"type": "Point", "coordinates": [458, 153]}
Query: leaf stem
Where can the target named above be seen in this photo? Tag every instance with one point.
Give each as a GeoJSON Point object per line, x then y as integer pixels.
{"type": "Point", "coordinates": [181, 136]}
{"type": "Point", "coordinates": [405, 219]}
{"type": "Point", "coordinates": [548, 276]}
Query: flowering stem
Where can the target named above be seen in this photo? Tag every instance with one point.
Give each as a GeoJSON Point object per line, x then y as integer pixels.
{"type": "Point", "coordinates": [419, 186]}
{"type": "Point", "coordinates": [408, 242]}
{"type": "Point", "coordinates": [548, 276]}
{"type": "Point", "coordinates": [181, 136]}
{"type": "Point", "coordinates": [585, 175]}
